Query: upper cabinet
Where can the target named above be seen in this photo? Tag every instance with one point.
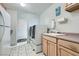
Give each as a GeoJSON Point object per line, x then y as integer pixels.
{"type": "Point", "coordinates": [71, 6]}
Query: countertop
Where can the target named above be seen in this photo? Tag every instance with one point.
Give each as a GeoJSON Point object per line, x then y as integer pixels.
{"type": "Point", "coordinates": [69, 37]}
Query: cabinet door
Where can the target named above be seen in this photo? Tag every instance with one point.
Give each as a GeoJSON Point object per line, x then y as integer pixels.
{"type": "Point", "coordinates": [66, 52]}
{"type": "Point", "coordinates": [71, 6]}
{"type": "Point", "coordinates": [45, 46]}
{"type": "Point", "coordinates": [51, 49]}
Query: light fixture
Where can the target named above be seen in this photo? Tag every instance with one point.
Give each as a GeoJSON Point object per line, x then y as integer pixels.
{"type": "Point", "coordinates": [23, 4]}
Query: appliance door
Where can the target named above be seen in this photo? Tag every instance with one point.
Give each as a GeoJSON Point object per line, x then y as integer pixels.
{"type": "Point", "coordinates": [1, 26]}
{"type": "Point", "coordinates": [5, 43]}
{"type": "Point", "coordinates": [2, 29]}
{"type": "Point", "coordinates": [4, 36]}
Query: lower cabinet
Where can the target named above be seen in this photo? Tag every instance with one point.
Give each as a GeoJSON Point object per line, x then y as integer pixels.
{"type": "Point", "coordinates": [59, 47]}
{"type": "Point", "coordinates": [67, 48]}
{"type": "Point", "coordinates": [45, 46]}
{"type": "Point", "coordinates": [66, 52]}
{"type": "Point", "coordinates": [51, 49]}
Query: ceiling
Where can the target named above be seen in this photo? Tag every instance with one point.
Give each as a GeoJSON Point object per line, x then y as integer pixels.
{"type": "Point", "coordinates": [36, 8]}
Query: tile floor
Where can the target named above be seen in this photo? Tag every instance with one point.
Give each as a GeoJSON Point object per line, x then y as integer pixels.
{"type": "Point", "coordinates": [22, 49]}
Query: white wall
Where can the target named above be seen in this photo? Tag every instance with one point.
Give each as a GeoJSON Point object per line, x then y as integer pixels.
{"type": "Point", "coordinates": [24, 21]}
{"type": "Point", "coordinates": [70, 26]}
{"type": "Point", "coordinates": [13, 14]}
{"type": "Point", "coordinates": [31, 18]}
{"type": "Point", "coordinates": [22, 29]}
{"type": "Point", "coordinates": [20, 22]}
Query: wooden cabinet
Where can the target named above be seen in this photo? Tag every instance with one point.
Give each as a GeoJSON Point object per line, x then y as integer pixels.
{"type": "Point", "coordinates": [49, 46]}
{"type": "Point", "coordinates": [71, 6]}
{"type": "Point", "coordinates": [51, 49]}
{"type": "Point", "coordinates": [70, 45]}
{"type": "Point", "coordinates": [45, 46]}
{"type": "Point", "coordinates": [67, 48]}
{"type": "Point", "coordinates": [54, 46]}
{"type": "Point", "coordinates": [66, 52]}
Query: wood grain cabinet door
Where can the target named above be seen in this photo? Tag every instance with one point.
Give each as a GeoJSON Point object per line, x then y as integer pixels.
{"type": "Point", "coordinates": [71, 6]}
{"type": "Point", "coordinates": [45, 46]}
{"type": "Point", "coordinates": [51, 49]}
{"type": "Point", "coordinates": [66, 52]}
